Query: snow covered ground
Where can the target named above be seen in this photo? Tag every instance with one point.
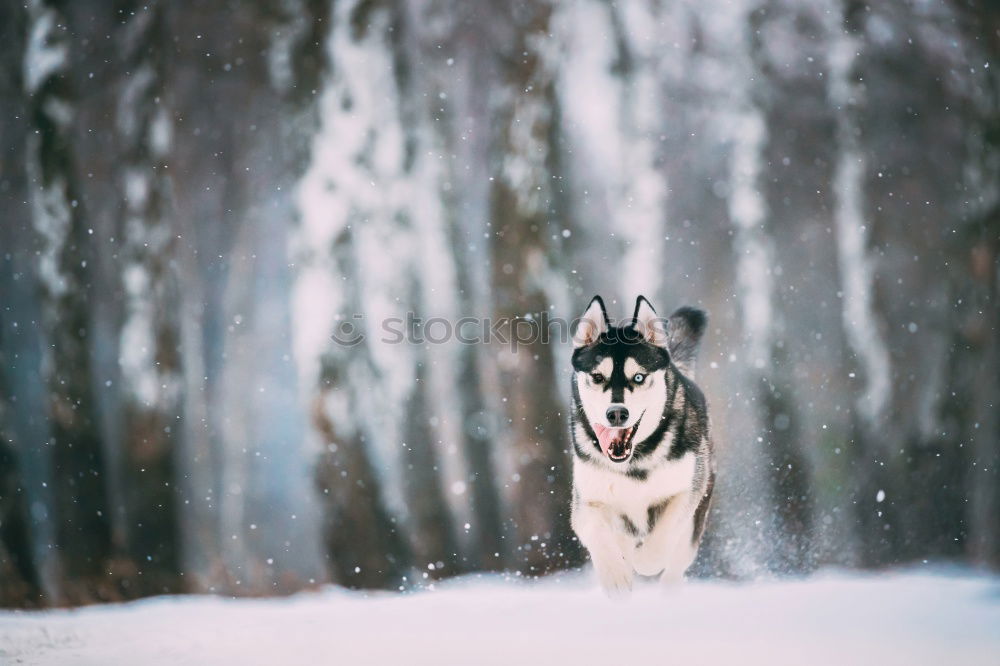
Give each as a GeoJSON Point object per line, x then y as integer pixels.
{"type": "Point", "coordinates": [898, 618]}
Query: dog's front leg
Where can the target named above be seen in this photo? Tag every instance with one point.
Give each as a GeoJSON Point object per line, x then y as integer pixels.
{"type": "Point", "coordinates": [667, 550]}
{"type": "Point", "coordinates": [610, 547]}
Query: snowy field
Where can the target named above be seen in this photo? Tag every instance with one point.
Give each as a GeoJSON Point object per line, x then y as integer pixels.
{"type": "Point", "coordinates": [901, 618]}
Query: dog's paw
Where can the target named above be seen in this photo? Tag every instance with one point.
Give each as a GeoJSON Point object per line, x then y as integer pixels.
{"type": "Point", "coordinates": [615, 578]}
{"type": "Point", "coordinates": [671, 580]}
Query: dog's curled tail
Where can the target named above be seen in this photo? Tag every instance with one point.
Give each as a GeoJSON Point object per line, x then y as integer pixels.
{"type": "Point", "coordinates": [684, 330]}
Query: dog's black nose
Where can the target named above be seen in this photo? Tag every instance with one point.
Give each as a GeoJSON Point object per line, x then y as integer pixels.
{"type": "Point", "coordinates": [617, 416]}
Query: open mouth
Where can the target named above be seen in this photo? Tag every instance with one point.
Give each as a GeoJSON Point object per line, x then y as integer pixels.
{"type": "Point", "coordinates": [616, 442]}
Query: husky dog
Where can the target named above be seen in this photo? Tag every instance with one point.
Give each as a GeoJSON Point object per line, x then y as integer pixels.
{"type": "Point", "coordinates": [643, 468]}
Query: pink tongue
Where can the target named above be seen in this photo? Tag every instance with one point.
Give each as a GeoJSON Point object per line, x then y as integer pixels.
{"type": "Point", "coordinates": [605, 436]}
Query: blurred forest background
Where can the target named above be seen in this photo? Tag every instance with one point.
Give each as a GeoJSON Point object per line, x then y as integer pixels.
{"type": "Point", "coordinates": [194, 196]}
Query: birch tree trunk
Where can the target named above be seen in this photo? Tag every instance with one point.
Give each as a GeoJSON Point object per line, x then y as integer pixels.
{"type": "Point", "coordinates": [427, 286]}
{"type": "Point", "coordinates": [864, 330]}
{"type": "Point", "coordinates": [359, 196]}
{"type": "Point", "coordinates": [83, 536]}
{"type": "Point", "coordinates": [150, 337]}
{"type": "Point", "coordinates": [466, 138]}
{"type": "Point", "coordinates": [785, 471]}
{"type": "Point", "coordinates": [523, 214]}
{"type": "Point", "coordinates": [366, 547]}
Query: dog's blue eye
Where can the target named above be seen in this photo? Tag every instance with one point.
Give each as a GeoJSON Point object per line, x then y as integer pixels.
{"type": "Point", "coordinates": [639, 378]}
{"type": "Point", "coordinates": [597, 378]}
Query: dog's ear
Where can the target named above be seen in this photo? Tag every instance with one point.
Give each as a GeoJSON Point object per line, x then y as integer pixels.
{"type": "Point", "coordinates": [652, 328]}
{"type": "Point", "coordinates": [593, 322]}
{"type": "Point", "coordinates": [684, 330]}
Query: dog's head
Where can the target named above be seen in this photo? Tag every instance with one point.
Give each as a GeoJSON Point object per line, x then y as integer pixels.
{"type": "Point", "coordinates": [620, 372]}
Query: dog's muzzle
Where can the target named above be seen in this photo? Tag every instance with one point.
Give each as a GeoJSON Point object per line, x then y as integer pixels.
{"type": "Point", "coordinates": [616, 443]}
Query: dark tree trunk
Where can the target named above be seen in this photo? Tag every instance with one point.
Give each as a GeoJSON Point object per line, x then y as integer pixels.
{"type": "Point", "coordinates": [976, 347]}
{"type": "Point", "coordinates": [28, 570]}
{"type": "Point", "coordinates": [20, 584]}
{"type": "Point", "coordinates": [365, 547]}
{"type": "Point", "coordinates": [786, 466]}
{"type": "Point", "coordinates": [478, 439]}
{"type": "Point", "coordinates": [975, 272]}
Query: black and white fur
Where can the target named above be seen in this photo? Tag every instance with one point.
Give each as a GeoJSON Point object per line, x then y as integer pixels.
{"type": "Point", "coordinates": [639, 506]}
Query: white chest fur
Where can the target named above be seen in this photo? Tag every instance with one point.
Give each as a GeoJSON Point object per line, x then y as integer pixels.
{"type": "Point", "coordinates": [596, 485]}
